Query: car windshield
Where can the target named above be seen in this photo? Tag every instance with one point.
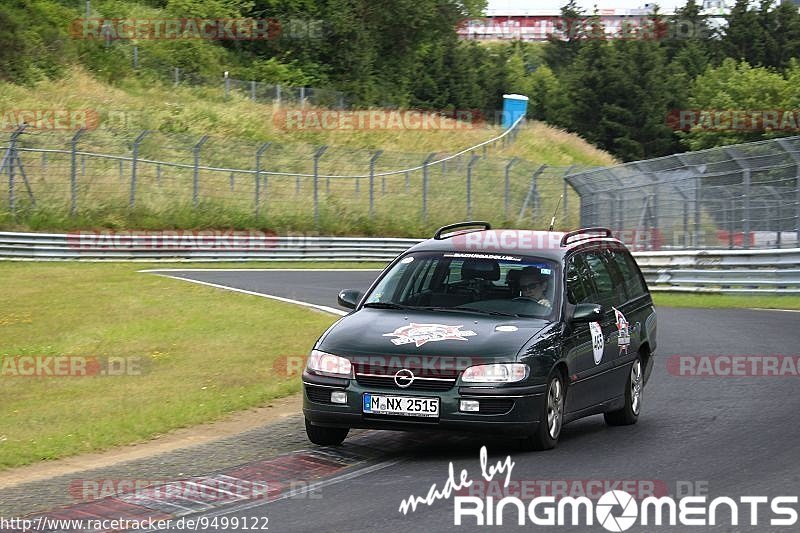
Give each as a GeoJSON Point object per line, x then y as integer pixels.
{"type": "Point", "coordinates": [489, 284]}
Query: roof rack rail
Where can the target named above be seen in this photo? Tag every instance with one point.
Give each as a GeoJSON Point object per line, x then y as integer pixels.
{"type": "Point", "coordinates": [449, 228]}
{"type": "Point", "coordinates": [587, 233]}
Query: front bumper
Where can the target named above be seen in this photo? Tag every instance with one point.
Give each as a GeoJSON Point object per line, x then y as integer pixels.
{"type": "Point", "coordinates": [510, 410]}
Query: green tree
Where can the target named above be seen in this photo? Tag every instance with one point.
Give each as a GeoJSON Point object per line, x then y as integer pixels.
{"type": "Point", "coordinates": [560, 53]}
{"type": "Point", "coordinates": [786, 34]}
{"type": "Point", "coordinates": [688, 28]}
{"type": "Point", "coordinates": [517, 80]}
{"type": "Point", "coordinates": [735, 87]}
{"type": "Point", "coordinates": [548, 99]}
{"type": "Point", "coordinates": [744, 36]}
{"type": "Point", "coordinates": [34, 43]}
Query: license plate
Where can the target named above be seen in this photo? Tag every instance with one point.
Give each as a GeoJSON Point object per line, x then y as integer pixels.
{"type": "Point", "coordinates": [378, 404]}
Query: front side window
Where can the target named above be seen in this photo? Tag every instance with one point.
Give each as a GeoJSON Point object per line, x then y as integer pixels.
{"type": "Point", "coordinates": [473, 282]}
{"type": "Point", "coordinates": [579, 285]}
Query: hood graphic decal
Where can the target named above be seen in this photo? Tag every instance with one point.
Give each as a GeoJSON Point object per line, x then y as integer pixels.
{"type": "Point", "coordinates": [419, 334]}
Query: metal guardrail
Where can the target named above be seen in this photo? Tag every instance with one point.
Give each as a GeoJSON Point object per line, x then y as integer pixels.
{"type": "Point", "coordinates": [195, 247]}
{"type": "Point", "coordinates": [716, 271]}
{"type": "Point", "coordinates": [723, 271]}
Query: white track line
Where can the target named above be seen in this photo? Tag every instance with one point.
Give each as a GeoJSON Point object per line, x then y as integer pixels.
{"type": "Point", "coordinates": [323, 308]}
{"type": "Point", "coordinates": [779, 310]}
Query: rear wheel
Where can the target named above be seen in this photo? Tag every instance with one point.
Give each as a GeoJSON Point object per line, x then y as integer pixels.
{"type": "Point", "coordinates": [552, 417]}
{"type": "Point", "coordinates": [325, 436]}
{"type": "Point", "coordinates": [629, 413]}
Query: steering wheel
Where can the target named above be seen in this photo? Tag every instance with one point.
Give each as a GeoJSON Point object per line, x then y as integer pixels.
{"type": "Point", "coordinates": [531, 300]}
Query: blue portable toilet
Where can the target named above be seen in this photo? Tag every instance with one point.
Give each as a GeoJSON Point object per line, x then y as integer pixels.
{"type": "Point", "coordinates": [514, 106]}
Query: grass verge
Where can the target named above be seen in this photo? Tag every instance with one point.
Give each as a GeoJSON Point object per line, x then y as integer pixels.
{"type": "Point", "coordinates": [720, 301]}
{"type": "Point", "coordinates": [202, 353]}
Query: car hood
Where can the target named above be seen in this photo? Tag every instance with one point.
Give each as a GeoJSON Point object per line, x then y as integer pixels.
{"type": "Point", "coordinates": [370, 332]}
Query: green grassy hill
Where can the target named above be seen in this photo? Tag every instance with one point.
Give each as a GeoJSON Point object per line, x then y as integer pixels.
{"type": "Point", "coordinates": [177, 117]}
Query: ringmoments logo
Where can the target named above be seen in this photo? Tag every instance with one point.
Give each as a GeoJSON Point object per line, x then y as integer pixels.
{"type": "Point", "coordinates": [618, 510]}
{"type": "Point", "coordinates": [615, 510]}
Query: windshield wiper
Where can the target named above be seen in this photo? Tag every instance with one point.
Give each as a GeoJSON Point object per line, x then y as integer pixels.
{"type": "Point", "coordinates": [386, 305]}
{"type": "Point", "coordinates": [470, 310]}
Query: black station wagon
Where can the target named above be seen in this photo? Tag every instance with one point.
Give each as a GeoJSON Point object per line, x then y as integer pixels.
{"type": "Point", "coordinates": [502, 331]}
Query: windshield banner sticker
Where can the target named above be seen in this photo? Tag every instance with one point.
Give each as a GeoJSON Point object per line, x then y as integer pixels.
{"type": "Point", "coordinates": [422, 333]}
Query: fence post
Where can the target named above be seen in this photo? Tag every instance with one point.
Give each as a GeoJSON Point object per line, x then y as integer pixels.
{"type": "Point", "coordinates": [73, 172]}
{"type": "Point", "coordinates": [278, 95]}
{"type": "Point", "coordinates": [731, 223]}
{"type": "Point", "coordinates": [134, 164]}
{"type": "Point", "coordinates": [698, 198]}
{"type": "Point", "coordinates": [196, 174]}
{"type": "Point", "coordinates": [471, 164]}
{"type": "Point", "coordinates": [302, 97]}
{"type": "Point", "coordinates": [135, 57]}
{"type": "Point", "coordinates": [227, 85]}
{"type": "Point", "coordinates": [747, 214]}
{"type": "Point", "coordinates": [372, 162]}
{"type": "Point", "coordinates": [177, 76]}
{"type": "Point", "coordinates": [507, 191]}
{"type": "Point", "coordinates": [794, 155]}
{"type": "Point", "coordinates": [317, 156]}
{"type": "Point", "coordinates": [532, 194]}
{"type": "Point", "coordinates": [425, 165]}
{"type": "Point", "coordinates": [8, 163]}
{"type": "Point", "coordinates": [253, 90]}
{"type": "Point", "coordinates": [565, 202]}
{"type": "Point", "coordinates": [259, 153]}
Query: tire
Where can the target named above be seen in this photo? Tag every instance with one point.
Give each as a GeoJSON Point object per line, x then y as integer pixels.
{"type": "Point", "coordinates": [551, 419]}
{"type": "Point", "coordinates": [634, 387]}
{"type": "Point", "coordinates": [324, 436]}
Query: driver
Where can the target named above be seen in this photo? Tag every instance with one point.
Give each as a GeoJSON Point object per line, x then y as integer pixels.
{"type": "Point", "coordinates": [534, 285]}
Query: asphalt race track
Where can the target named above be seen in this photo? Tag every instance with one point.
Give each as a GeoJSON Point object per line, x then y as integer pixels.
{"type": "Point", "coordinates": [714, 436]}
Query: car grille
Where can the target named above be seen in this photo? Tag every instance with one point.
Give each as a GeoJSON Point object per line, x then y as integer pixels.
{"type": "Point", "coordinates": [425, 379]}
{"type": "Point", "coordinates": [387, 382]}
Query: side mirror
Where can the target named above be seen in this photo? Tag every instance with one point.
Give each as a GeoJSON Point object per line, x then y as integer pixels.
{"type": "Point", "coordinates": [349, 298]}
{"type": "Point", "coordinates": [587, 313]}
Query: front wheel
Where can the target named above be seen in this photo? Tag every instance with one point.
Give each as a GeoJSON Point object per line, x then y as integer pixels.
{"type": "Point", "coordinates": [325, 436]}
{"type": "Point", "coordinates": [551, 418]}
{"type": "Point", "coordinates": [629, 413]}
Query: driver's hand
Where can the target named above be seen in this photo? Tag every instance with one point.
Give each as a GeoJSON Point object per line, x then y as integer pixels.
{"type": "Point", "coordinates": [545, 302]}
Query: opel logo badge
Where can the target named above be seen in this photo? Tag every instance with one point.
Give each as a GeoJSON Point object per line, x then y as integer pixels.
{"type": "Point", "coordinates": [404, 378]}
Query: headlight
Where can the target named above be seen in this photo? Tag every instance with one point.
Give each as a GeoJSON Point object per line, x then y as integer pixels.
{"type": "Point", "coordinates": [326, 364]}
{"type": "Point", "coordinates": [497, 373]}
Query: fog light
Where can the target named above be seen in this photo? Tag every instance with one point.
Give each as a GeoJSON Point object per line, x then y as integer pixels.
{"type": "Point", "coordinates": [338, 396]}
{"type": "Point", "coordinates": [469, 406]}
